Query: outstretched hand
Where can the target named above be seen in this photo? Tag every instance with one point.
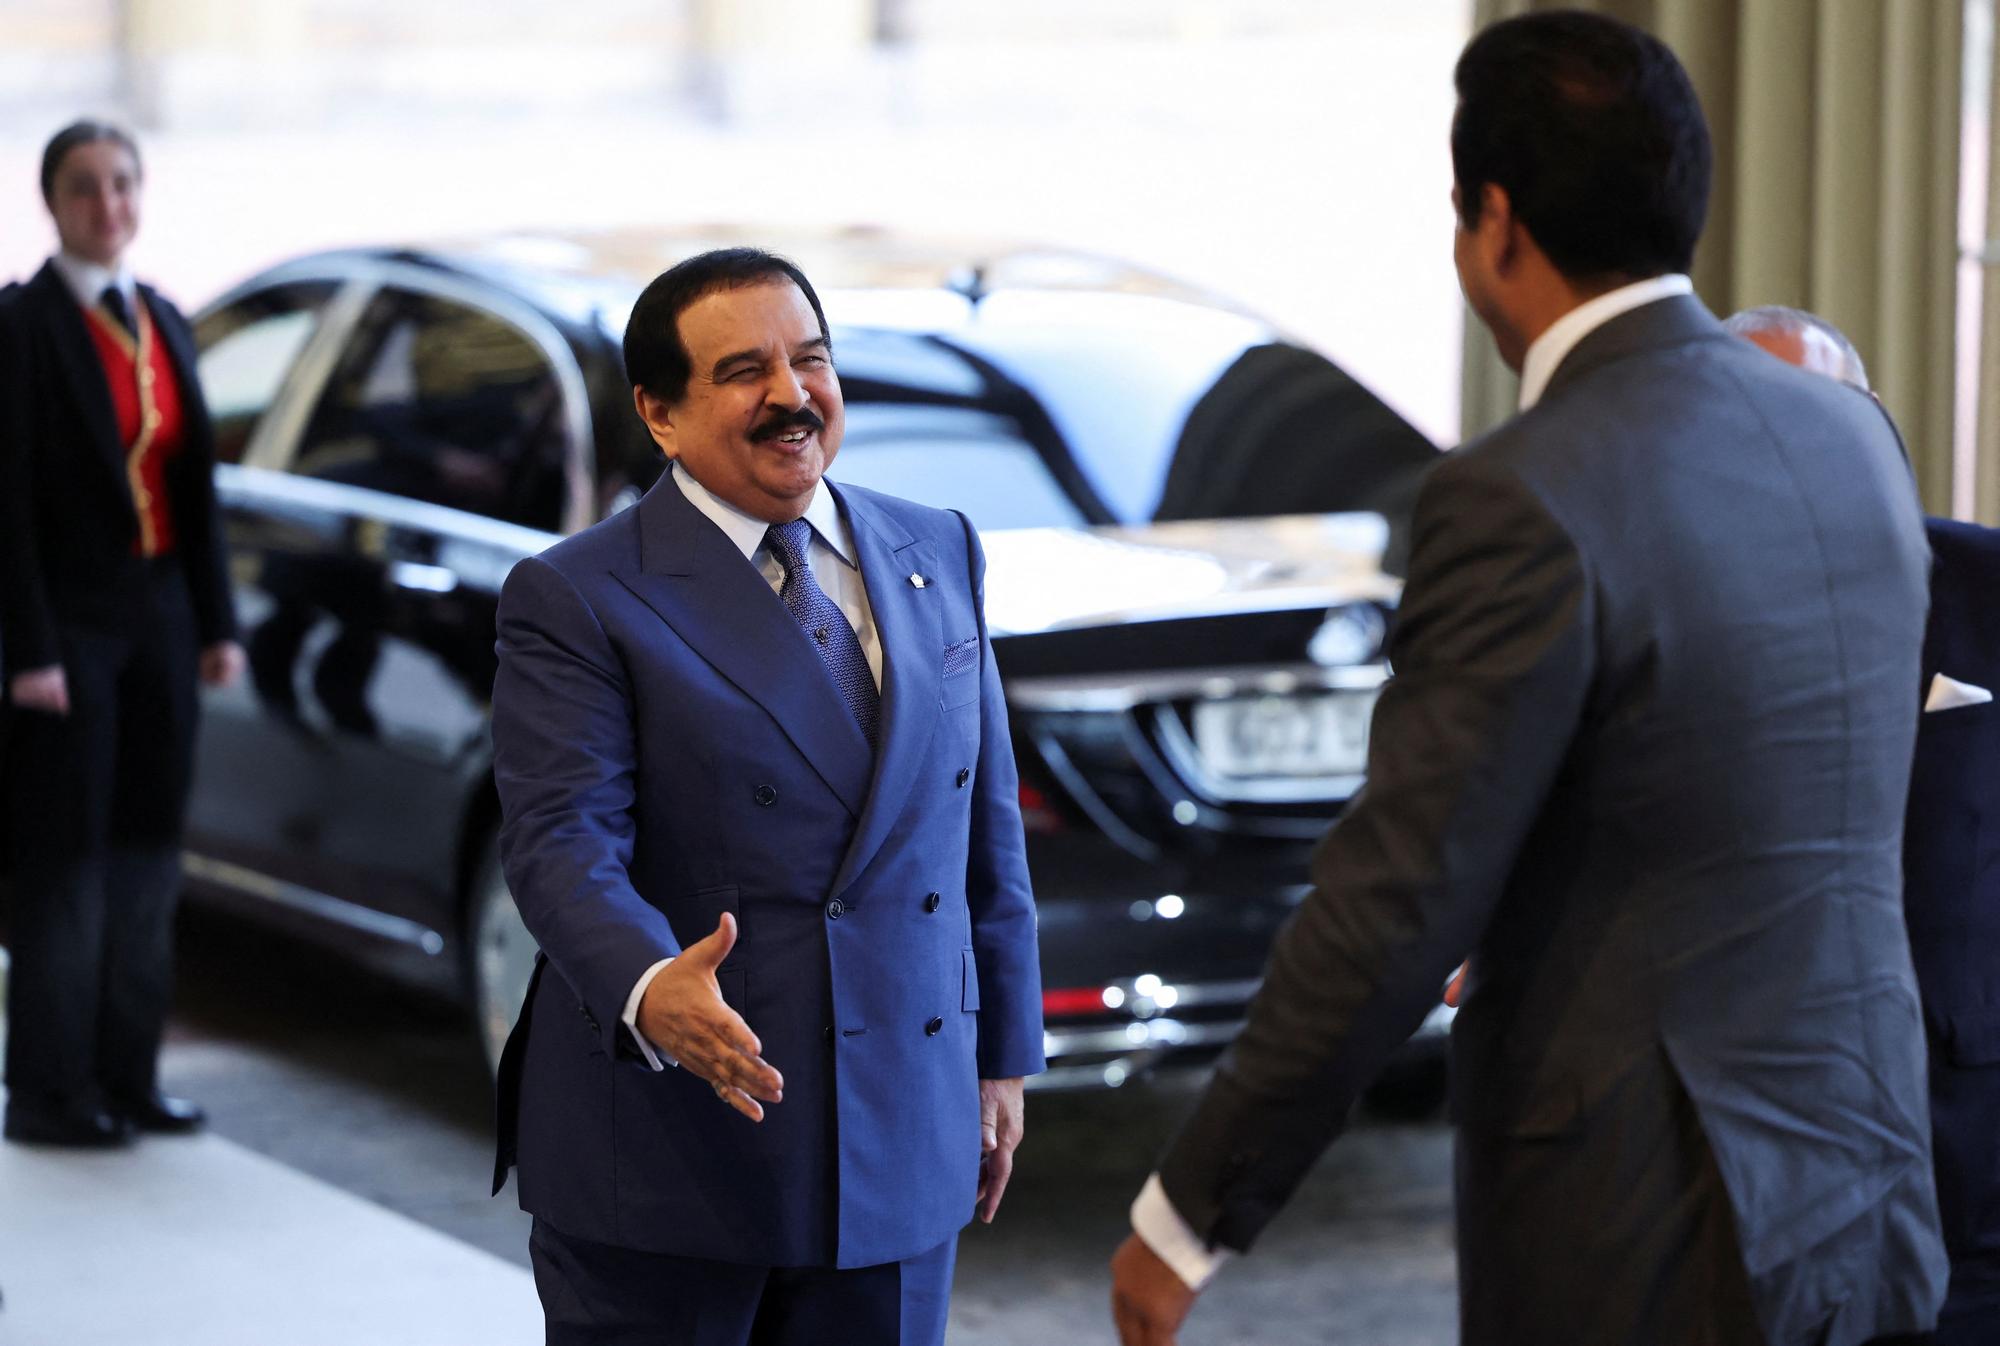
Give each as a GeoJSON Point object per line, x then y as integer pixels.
{"type": "Point", "coordinates": [684, 1015]}
{"type": "Point", "coordinates": [1149, 1302]}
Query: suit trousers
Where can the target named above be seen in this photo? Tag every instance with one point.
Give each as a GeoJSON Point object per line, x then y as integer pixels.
{"type": "Point", "coordinates": [94, 804]}
{"type": "Point", "coordinates": [597, 1295]}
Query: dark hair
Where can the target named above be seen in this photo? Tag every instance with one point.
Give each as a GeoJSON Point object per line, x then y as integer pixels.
{"type": "Point", "coordinates": [78, 133]}
{"type": "Point", "coordinates": [1592, 129]}
{"type": "Point", "coordinates": [655, 358]}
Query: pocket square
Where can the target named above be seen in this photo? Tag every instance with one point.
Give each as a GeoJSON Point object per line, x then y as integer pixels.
{"type": "Point", "coordinates": [961, 657]}
{"type": "Point", "coordinates": [1950, 694]}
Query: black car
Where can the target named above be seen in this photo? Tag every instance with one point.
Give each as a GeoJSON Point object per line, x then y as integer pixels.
{"type": "Point", "coordinates": [1191, 644]}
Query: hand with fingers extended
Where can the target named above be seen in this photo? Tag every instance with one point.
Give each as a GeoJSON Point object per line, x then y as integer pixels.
{"type": "Point", "coordinates": [684, 1015]}
{"type": "Point", "coordinates": [1149, 1302]}
{"type": "Point", "coordinates": [1002, 1123]}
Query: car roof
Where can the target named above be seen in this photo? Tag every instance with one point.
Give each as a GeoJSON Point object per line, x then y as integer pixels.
{"type": "Point", "coordinates": [1116, 355]}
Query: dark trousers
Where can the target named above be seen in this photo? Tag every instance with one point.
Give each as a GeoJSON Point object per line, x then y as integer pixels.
{"type": "Point", "coordinates": [596, 1295]}
{"type": "Point", "coordinates": [94, 805]}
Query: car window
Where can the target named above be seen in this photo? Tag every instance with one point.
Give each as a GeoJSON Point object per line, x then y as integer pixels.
{"type": "Point", "coordinates": [953, 458]}
{"type": "Point", "coordinates": [247, 347]}
{"type": "Point", "coordinates": [443, 402]}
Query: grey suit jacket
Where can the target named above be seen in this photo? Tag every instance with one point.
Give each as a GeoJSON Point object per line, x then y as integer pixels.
{"type": "Point", "coordinates": [1645, 753]}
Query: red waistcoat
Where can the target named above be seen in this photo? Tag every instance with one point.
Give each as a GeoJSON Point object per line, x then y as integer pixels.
{"type": "Point", "coordinates": [146, 403]}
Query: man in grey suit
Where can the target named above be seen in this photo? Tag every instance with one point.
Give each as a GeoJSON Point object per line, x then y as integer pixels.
{"type": "Point", "coordinates": [1645, 754]}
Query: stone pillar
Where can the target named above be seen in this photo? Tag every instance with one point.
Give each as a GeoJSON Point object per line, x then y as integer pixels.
{"type": "Point", "coordinates": [211, 61]}
{"type": "Point", "coordinates": [764, 60]}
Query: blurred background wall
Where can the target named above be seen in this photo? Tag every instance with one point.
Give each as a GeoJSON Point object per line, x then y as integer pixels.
{"type": "Point", "coordinates": [1289, 154]}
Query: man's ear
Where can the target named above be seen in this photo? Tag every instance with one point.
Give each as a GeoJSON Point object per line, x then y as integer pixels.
{"type": "Point", "coordinates": [657, 414]}
{"type": "Point", "coordinates": [1499, 230]}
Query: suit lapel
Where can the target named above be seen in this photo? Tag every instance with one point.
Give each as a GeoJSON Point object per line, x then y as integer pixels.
{"type": "Point", "coordinates": [69, 339]}
{"type": "Point", "coordinates": [714, 599]}
{"type": "Point", "coordinates": [910, 627]}
{"type": "Point", "coordinates": [179, 344]}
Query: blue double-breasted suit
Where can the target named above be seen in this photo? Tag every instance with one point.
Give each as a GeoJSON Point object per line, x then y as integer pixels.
{"type": "Point", "coordinates": [668, 747]}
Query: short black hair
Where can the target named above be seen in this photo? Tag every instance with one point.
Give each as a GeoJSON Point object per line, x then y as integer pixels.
{"type": "Point", "coordinates": [655, 358]}
{"type": "Point", "coordinates": [1593, 130]}
{"type": "Point", "coordinates": [76, 134]}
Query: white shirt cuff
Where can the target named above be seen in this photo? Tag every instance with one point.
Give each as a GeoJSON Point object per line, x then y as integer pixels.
{"type": "Point", "coordinates": [1162, 1229]}
{"type": "Point", "coordinates": [655, 1058]}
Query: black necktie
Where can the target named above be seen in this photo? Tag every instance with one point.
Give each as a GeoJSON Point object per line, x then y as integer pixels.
{"type": "Point", "coordinates": [113, 302]}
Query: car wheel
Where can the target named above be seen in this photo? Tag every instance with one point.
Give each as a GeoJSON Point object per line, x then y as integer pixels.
{"type": "Point", "coordinates": [502, 956]}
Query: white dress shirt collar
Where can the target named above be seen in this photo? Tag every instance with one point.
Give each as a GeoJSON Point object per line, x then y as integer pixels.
{"type": "Point", "coordinates": [88, 281]}
{"type": "Point", "coordinates": [1547, 353]}
{"type": "Point", "coordinates": [747, 530]}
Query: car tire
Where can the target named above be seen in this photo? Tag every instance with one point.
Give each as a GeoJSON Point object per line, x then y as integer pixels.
{"type": "Point", "coordinates": [500, 956]}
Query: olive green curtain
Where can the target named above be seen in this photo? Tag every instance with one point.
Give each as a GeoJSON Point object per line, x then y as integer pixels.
{"type": "Point", "coordinates": [1983, 485]}
{"type": "Point", "coordinates": [1836, 128]}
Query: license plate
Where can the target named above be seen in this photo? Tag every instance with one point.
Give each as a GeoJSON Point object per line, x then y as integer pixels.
{"type": "Point", "coordinates": [1324, 734]}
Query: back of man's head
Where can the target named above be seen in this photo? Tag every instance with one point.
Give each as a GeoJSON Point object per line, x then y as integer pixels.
{"type": "Point", "coordinates": [1800, 338]}
{"type": "Point", "coordinates": [1592, 129]}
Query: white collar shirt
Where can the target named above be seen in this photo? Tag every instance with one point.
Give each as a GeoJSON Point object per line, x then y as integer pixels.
{"type": "Point", "coordinates": [834, 561]}
{"type": "Point", "coordinates": [1549, 350]}
{"type": "Point", "coordinates": [88, 281]}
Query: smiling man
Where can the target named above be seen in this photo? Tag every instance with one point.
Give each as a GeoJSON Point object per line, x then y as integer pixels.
{"type": "Point", "coordinates": [760, 813]}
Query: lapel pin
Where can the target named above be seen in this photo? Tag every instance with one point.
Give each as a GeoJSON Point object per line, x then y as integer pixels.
{"type": "Point", "coordinates": [916, 580]}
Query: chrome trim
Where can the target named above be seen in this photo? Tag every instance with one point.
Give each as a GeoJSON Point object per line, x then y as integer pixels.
{"type": "Point", "coordinates": [310, 902]}
{"type": "Point", "coordinates": [1141, 1045]}
{"type": "Point", "coordinates": [1127, 691]}
{"type": "Point", "coordinates": [476, 550]}
{"type": "Point", "coordinates": [276, 437]}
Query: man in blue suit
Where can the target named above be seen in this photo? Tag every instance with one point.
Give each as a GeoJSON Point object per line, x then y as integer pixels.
{"type": "Point", "coordinates": [760, 811]}
{"type": "Point", "coordinates": [1951, 861]}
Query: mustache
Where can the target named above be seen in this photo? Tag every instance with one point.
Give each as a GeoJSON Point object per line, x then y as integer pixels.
{"type": "Point", "coordinates": [784, 422]}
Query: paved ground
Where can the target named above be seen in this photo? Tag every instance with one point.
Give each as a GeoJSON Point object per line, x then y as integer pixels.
{"type": "Point", "coordinates": [380, 1091]}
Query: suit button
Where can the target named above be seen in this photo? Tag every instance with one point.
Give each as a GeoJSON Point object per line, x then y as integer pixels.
{"type": "Point", "coordinates": [835, 909]}
{"type": "Point", "coordinates": [829, 1032]}
{"type": "Point", "coordinates": [964, 775]}
{"type": "Point", "coordinates": [931, 902]}
{"type": "Point", "coordinates": [764, 795]}
{"type": "Point", "coordinates": [933, 1028]}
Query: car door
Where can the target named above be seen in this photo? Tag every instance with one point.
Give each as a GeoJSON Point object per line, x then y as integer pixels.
{"type": "Point", "coordinates": [439, 443]}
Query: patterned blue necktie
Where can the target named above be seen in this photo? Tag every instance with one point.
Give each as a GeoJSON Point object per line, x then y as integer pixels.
{"type": "Point", "coordinates": [825, 625]}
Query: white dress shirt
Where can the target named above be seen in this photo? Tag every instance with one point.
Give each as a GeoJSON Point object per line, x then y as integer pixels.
{"type": "Point", "coordinates": [837, 567]}
{"type": "Point", "coordinates": [1154, 1218]}
{"type": "Point", "coordinates": [1550, 348]}
{"type": "Point", "coordinates": [88, 281]}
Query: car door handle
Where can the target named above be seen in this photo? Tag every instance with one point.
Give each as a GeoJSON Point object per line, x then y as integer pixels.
{"type": "Point", "coordinates": [420, 578]}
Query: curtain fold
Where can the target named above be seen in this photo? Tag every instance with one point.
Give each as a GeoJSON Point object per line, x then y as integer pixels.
{"type": "Point", "coordinates": [1836, 129]}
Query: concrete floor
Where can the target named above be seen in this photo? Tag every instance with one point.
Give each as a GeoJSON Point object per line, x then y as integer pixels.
{"type": "Point", "coordinates": [378, 1092]}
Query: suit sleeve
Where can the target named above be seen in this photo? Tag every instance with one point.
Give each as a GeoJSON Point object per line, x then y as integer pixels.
{"type": "Point", "coordinates": [996, 881]}
{"type": "Point", "coordinates": [564, 762]}
{"type": "Point", "coordinates": [24, 599]}
{"type": "Point", "coordinates": [204, 545]}
{"type": "Point", "coordinates": [1492, 653]}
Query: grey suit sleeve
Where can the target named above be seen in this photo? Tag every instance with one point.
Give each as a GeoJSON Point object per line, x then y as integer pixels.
{"type": "Point", "coordinates": [1492, 653]}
